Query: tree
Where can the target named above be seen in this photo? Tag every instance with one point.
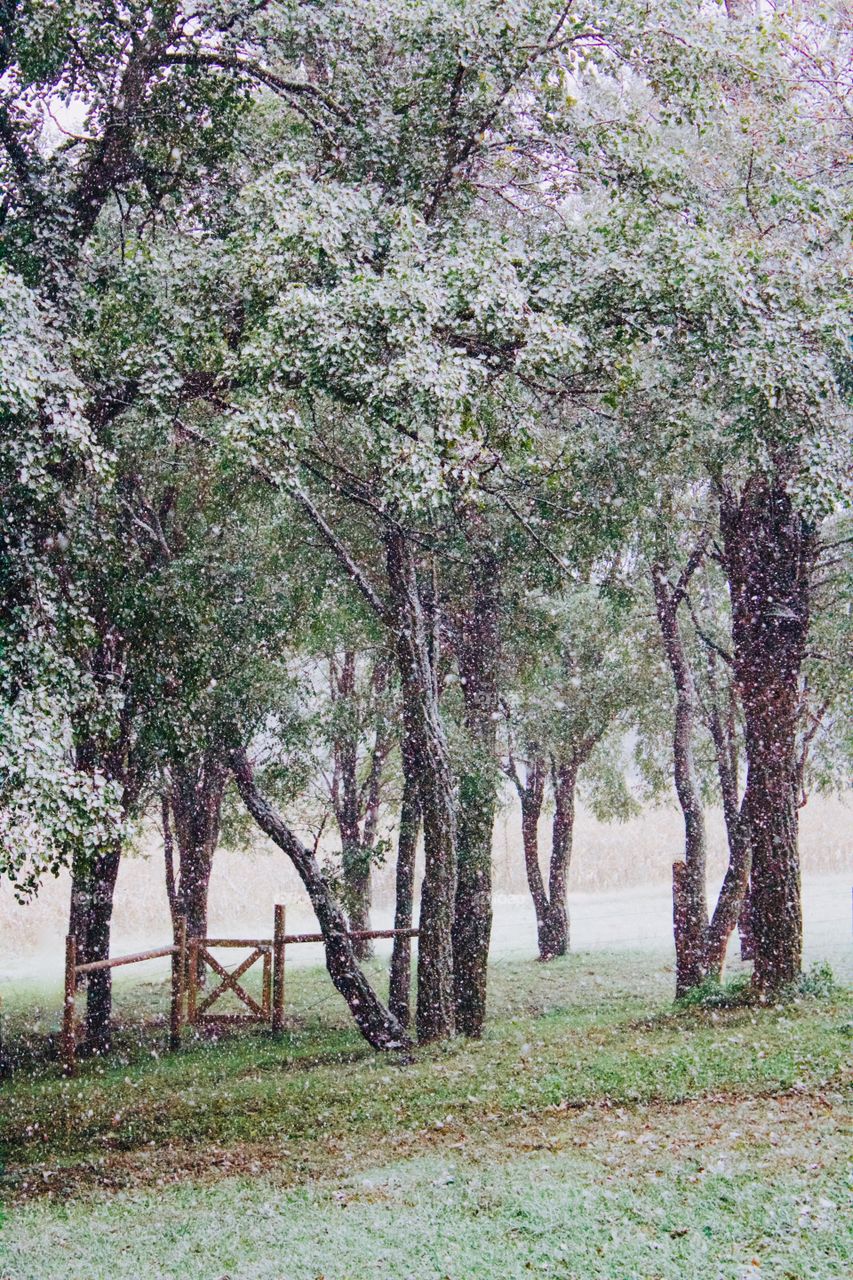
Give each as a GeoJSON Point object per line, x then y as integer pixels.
{"type": "Point", "coordinates": [355, 785]}
{"type": "Point", "coordinates": [377, 1024]}
{"type": "Point", "coordinates": [715, 265]}
{"type": "Point", "coordinates": [408, 830]}
{"type": "Point", "coordinates": [577, 682]}
{"type": "Point", "coordinates": [146, 131]}
{"type": "Point", "coordinates": [374, 361]}
{"type": "Point", "coordinates": [477, 641]}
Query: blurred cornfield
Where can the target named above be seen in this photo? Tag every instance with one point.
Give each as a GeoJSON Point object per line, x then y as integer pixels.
{"type": "Point", "coordinates": [608, 857]}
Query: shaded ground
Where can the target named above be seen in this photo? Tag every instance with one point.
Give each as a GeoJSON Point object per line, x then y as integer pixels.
{"type": "Point", "coordinates": [594, 1132]}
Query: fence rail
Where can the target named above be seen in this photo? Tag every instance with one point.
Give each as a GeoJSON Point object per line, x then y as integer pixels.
{"type": "Point", "coordinates": [187, 956]}
{"type": "Point", "coordinates": [94, 965]}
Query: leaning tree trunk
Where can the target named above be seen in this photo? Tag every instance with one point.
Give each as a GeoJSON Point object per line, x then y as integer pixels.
{"type": "Point", "coordinates": [401, 956]}
{"type": "Point", "coordinates": [690, 907]}
{"type": "Point", "coordinates": [424, 731]}
{"type": "Point", "coordinates": [378, 1026]}
{"type": "Point", "coordinates": [479, 656]}
{"type": "Point", "coordinates": [769, 551]}
{"type": "Point", "coordinates": [92, 895]}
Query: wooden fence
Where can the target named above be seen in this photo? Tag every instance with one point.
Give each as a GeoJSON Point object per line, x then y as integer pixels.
{"type": "Point", "coordinates": [190, 1003]}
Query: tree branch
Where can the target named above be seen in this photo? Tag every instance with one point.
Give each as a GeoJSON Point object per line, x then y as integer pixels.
{"type": "Point", "coordinates": [354, 570]}
{"type": "Point", "coordinates": [249, 67]}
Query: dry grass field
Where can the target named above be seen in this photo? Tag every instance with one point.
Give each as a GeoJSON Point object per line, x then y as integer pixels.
{"type": "Point", "coordinates": [609, 861]}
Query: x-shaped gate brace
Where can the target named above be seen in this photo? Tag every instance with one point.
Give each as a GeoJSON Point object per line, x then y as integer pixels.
{"type": "Point", "coordinates": [230, 981]}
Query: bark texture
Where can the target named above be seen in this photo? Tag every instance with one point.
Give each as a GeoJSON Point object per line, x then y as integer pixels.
{"type": "Point", "coordinates": [94, 875]}
{"type": "Point", "coordinates": [531, 793]}
{"type": "Point", "coordinates": [194, 800]}
{"type": "Point", "coordinates": [401, 955]}
{"type": "Point", "coordinates": [730, 901]}
{"type": "Point", "coordinates": [356, 800]}
{"type": "Point", "coordinates": [92, 893]}
{"type": "Point", "coordinates": [479, 659]}
{"type": "Point", "coordinates": [424, 731]}
{"type": "Point", "coordinates": [376, 1023]}
{"type": "Point", "coordinates": [554, 934]}
{"type": "Point", "coordinates": [690, 905]}
{"type": "Point", "coordinates": [550, 904]}
{"type": "Point", "coordinates": [769, 556]}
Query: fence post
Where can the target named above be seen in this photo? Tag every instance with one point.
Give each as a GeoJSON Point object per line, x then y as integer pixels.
{"type": "Point", "coordinates": [68, 1038]}
{"type": "Point", "coordinates": [278, 971]}
{"type": "Point", "coordinates": [179, 971]}
{"type": "Point", "coordinates": [193, 981]}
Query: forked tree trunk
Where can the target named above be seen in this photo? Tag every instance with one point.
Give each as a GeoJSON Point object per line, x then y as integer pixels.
{"type": "Point", "coordinates": [690, 908]}
{"type": "Point", "coordinates": [554, 934]}
{"type": "Point", "coordinates": [550, 905]}
{"type": "Point", "coordinates": [376, 1023]}
{"type": "Point", "coordinates": [769, 555]}
{"type": "Point", "coordinates": [424, 731]}
{"type": "Point", "coordinates": [416, 651]}
{"type": "Point", "coordinates": [401, 956]}
{"type": "Point", "coordinates": [479, 657]}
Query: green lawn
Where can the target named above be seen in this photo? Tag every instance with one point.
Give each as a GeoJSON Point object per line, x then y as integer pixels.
{"type": "Point", "coordinates": [594, 1132]}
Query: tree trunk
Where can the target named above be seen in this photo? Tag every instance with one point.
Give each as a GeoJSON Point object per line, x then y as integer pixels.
{"type": "Point", "coordinates": [736, 880]}
{"type": "Point", "coordinates": [401, 956]}
{"type": "Point", "coordinates": [769, 554]}
{"type": "Point", "coordinates": [479, 657]}
{"type": "Point", "coordinates": [554, 935]}
{"type": "Point", "coordinates": [357, 805]}
{"type": "Point", "coordinates": [531, 793]}
{"type": "Point", "coordinates": [424, 731]}
{"type": "Point", "coordinates": [690, 908]}
{"type": "Point", "coordinates": [78, 912]}
{"type": "Point", "coordinates": [195, 799]}
{"type": "Point", "coordinates": [378, 1026]}
{"type": "Point", "coordinates": [92, 894]}
{"type": "Point", "coordinates": [94, 876]}
{"type": "Point", "coordinates": [355, 859]}
{"type": "Point", "coordinates": [730, 903]}
{"type": "Point", "coordinates": [357, 892]}
{"type": "Point", "coordinates": [744, 926]}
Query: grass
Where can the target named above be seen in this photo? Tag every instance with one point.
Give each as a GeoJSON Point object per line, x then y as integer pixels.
{"type": "Point", "coordinates": [597, 1130]}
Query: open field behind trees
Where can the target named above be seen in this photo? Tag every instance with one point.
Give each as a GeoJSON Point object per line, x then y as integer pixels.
{"type": "Point", "coordinates": [611, 861]}
{"type": "Point", "coordinates": [594, 1132]}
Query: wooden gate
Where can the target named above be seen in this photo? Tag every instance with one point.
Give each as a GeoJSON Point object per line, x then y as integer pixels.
{"type": "Point", "coordinates": [187, 956]}
{"type": "Point", "coordinates": [198, 1008]}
